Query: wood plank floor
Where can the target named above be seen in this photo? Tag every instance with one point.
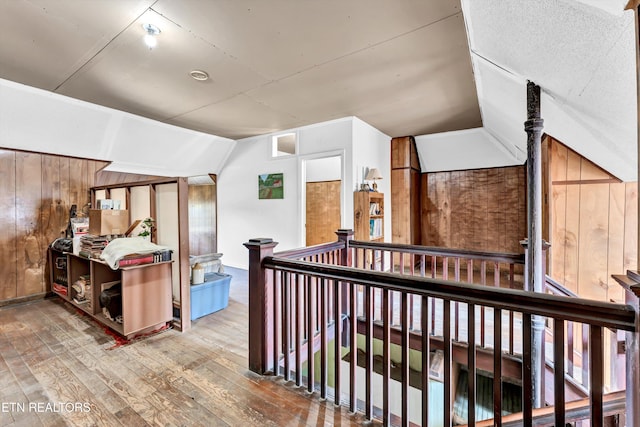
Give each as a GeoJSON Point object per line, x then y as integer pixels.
{"type": "Point", "coordinates": [58, 368]}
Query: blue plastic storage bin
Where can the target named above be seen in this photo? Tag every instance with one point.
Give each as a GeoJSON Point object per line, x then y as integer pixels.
{"type": "Point", "coordinates": [210, 296]}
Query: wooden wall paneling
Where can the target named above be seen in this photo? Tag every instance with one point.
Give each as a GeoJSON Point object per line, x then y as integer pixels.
{"type": "Point", "coordinates": [513, 209]}
{"type": "Point", "coordinates": [425, 212]}
{"type": "Point", "coordinates": [558, 211]}
{"type": "Point", "coordinates": [54, 218]}
{"type": "Point", "coordinates": [78, 182]}
{"type": "Point", "coordinates": [615, 261]}
{"type": "Point", "coordinates": [496, 210]}
{"type": "Point", "coordinates": [477, 210]}
{"type": "Point", "coordinates": [8, 237]}
{"type": "Point", "coordinates": [442, 224]}
{"type": "Point", "coordinates": [589, 171]}
{"type": "Point", "coordinates": [400, 206]}
{"type": "Point", "coordinates": [631, 227]}
{"type": "Point", "coordinates": [30, 261]}
{"type": "Point", "coordinates": [459, 198]}
{"type": "Point", "coordinates": [593, 241]}
{"type": "Point", "coordinates": [572, 223]}
{"type": "Point", "coordinates": [415, 206]}
{"type": "Point", "coordinates": [202, 217]}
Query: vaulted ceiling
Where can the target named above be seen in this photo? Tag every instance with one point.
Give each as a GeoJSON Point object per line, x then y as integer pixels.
{"type": "Point", "coordinates": [403, 67]}
{"type": "Point", "coordinates": [414, 67]}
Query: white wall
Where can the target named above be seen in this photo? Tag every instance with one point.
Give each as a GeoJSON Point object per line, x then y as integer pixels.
{"type": "Point", "coordinates": [372, 149]}
{"type": "Point", "coordinates": [324, 169]}
{"type": "Point", "coordinates": [133, 144]}
{"type": "Point", "coordinates": [243, 216]}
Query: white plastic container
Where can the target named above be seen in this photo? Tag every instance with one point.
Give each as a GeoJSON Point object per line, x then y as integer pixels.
{"type": "Point", "coordinates": [197, 274]}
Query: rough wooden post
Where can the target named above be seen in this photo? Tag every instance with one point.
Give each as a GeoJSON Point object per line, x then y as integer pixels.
{"type": "Point", "coordinates": [261, 331]}
{"type": "Point", "coordinates": [534, 258]}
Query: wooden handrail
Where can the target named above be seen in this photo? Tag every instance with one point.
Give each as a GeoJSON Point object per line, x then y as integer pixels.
{"type": "Point", "coordinates": [603, 314]}
{"type": "Point", "coordinates": [614, 403]}
{"type": "Point", "coordinates": [312, 293]}
{"type": "Point", "coordinates": [438, 251]}
{"type": "Point", "coordinates": [311, 250]}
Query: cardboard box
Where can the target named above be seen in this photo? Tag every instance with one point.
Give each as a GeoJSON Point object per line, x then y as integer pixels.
{"type": "Point", "coordinates": [107, 221]}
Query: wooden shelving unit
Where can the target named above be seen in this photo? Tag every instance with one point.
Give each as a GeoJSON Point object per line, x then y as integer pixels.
{"type": "Point", "coordinates": [146, 291]}
{"type": "Point", "coordinates": [368, 216]}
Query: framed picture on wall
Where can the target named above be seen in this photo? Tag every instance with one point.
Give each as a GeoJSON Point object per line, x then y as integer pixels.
{"type": "Point", "coordinates": [271, 186]}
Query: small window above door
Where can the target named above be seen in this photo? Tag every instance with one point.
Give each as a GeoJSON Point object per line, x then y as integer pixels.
{"type": "Point", "coordinates": [285, 144]}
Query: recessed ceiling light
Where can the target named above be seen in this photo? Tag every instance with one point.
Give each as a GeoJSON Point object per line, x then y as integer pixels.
{"type": "Point", "coordinates": [150, 37]}
{"type": "Point", "coordinates": [199, 75]}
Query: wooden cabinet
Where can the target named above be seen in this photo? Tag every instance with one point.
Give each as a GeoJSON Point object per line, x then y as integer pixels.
{"type": "Point", "coordinates": [145, 290]}
{"type": "Point", "coordinates": [368, 216]}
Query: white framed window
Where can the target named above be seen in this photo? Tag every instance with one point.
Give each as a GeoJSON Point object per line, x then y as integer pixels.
{"type": "Point", "coordinates": [285, 144]}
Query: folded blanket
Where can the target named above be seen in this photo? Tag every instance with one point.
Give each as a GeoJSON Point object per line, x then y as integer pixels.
{"type": "Point", "coordinates": [121, 247]}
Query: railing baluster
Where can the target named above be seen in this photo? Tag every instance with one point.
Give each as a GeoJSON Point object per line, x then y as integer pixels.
{"type": "Point", "coordinates": [299, 318]}
{"type": "Point", "coordinates": [386, 361]}
{"type": "Point", "coordinates": [425, 359]}
{"type": "Point", "coordinates": [404, 313]}
{"type": "Point", "coordinates": [423, 260]}
{"type": "Point", "coordinates": [527, 380]}
{"type": "Point", "coordinates": [470, 270]}
{"type": "Point", "coordinates": [276, 322]}
{"type": "Point", "coordinates": [471, 359]}
{"type": "Point", "coordinates": [445, 268]}
{"type": "Point", "coordinates": [286, 325]}
{"type": "Point", "coordinates": [497, 367]}
{"type": "Point", "coordinates": [369, 354]}
{"type": "Point", "coordinates": [311, 333]}
{"type": "Point", "coordinates": [586, 360]}
{"type": "Point", "coordinates": [353, 346]}
{"type": "Point", "coordinates": [596, 377]}
{"type": "Point", "coordinates": [446, 335]}
{"type": "Point", "coordinates": [337, 341]}
{"type": "Point", "coordinates": [496, 274]}
{"type": "Point", "coordinates": [322, 295]}
{"type": "Point", "coordinates": [558, 371]}
{"type": "Point", "coordinates": [570, 350]}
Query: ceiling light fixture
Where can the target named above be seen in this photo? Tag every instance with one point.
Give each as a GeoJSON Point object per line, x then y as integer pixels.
{"type": "Point", "coordinates": [150, 37]}
{"type": "Point", "coordinates": [199, 75]}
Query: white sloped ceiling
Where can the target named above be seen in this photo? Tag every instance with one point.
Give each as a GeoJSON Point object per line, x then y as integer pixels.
{"type": "Point", "coordinates": [582, 55]}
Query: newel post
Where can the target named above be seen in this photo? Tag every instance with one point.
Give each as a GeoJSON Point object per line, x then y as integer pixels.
{"type": "Point", "coordinates": [260, 306]}
{"type": "Point", "coordinates": [345, 235]}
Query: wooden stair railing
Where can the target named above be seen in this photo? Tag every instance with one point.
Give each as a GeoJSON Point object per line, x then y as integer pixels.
{"type": "Point", "coordinates": [302, 300]}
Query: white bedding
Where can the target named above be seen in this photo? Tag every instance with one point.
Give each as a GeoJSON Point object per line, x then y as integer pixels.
{"type": "Point", "coordinates": [121, 247]}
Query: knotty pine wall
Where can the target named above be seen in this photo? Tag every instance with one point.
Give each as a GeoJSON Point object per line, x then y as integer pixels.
{"type": "Point", "coordinates": [36, 193]}
{"type": "Point", "coordinates": [483, 209]}
{"type": "Point", "coordinates": [594, 225]}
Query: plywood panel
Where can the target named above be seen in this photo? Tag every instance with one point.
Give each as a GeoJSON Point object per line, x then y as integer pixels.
{"type": "Point", "coordinates": [571, 237]}
{"type": "Point", "coordinates": [54, 215]}
{"type": "Point", "coordinates": [459, 196]}
{"type": "Point", "coordinates": [202, 219]}
{"type": "Point", "coordinates": [615, 247]}
{"type": "Point", "coordinates": [415, 208]}
{"type": "Point", "coordinates": [30, 260]}
{"type": "Point", "coordinates": [631, 227]}
{"type": "Point", "coordinates": [593, 241]}
{"type": "Point", "coordinates": [401, 205]}
{"type": "Point", "coordinates": [477, 209]}
{"type": "Point", "coordinates": [497, 209]}
{"type": "Point", "coordinates": [558, 211]}
{"type": "Point", "coordinates": [8, 266]}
